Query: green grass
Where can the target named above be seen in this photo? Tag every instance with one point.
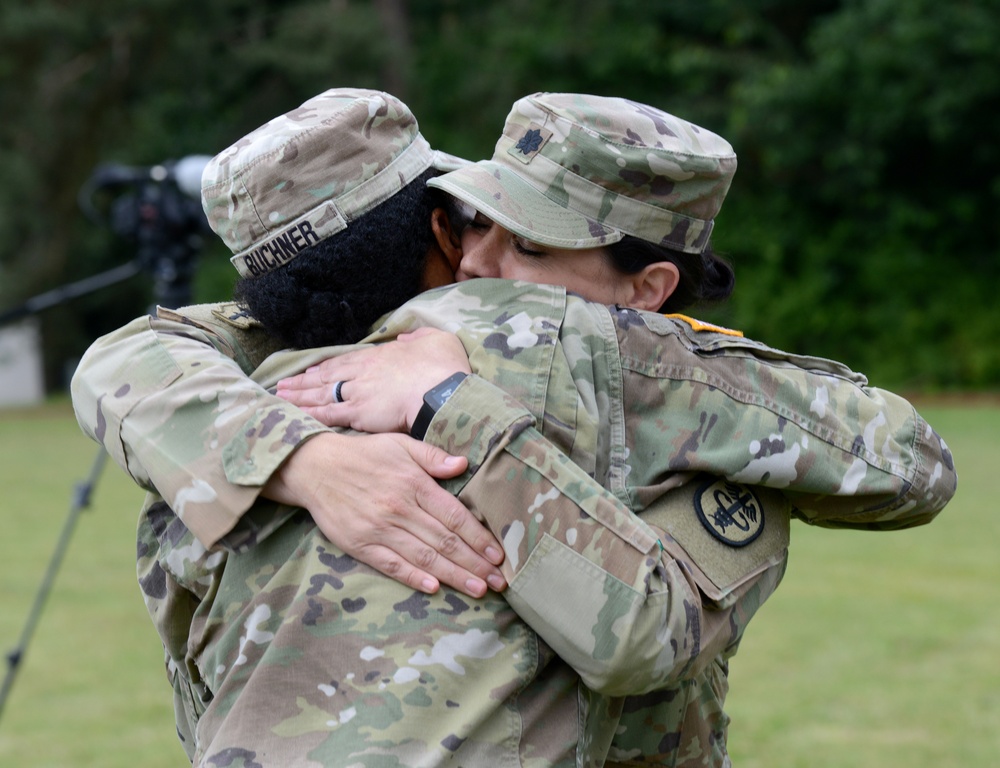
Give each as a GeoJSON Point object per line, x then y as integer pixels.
{"type": "Point", "coordinates": [882, 649]}
{"type": "Point", "coordinates": [878, 649]}
{"type": "Point", "coordinates": [91, 690]}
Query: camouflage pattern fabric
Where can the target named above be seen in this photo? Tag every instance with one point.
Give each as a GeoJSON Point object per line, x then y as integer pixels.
{"type": "Point", "coordinates": [306, 174]}
{"type": "Point", "coordinates": [625, 572]}
{"type": "Point", "coordinates": [574, 170]}
{"type": "Point", "coordinates": [301, 656]}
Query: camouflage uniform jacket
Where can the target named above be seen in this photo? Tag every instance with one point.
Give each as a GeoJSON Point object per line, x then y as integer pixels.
{"type": "Point", "coordinates": [659, 603]}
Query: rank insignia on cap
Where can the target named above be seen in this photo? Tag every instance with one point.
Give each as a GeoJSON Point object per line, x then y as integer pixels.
{"type": "Point", "coordinates": [532, 140]}
{"type": "Point", "coordinates": [731, 512]}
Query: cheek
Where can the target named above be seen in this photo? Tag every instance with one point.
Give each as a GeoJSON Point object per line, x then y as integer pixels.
{"type": "Point", "coordinates": [437, 272]}
{"type": "Point", "coordinates": [589, 277]}
{"type": "Point", "coordinates": [510, 269]}
{"type": "Point", "coordinates": [473, 246]}
{"type": "Point", "coordinates": [512, 265]}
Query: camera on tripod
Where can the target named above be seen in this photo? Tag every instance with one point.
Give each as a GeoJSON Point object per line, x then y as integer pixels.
{"type": "Point", "coordinates": [158, 208]}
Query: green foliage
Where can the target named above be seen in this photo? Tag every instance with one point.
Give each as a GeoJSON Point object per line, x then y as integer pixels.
{"type": "Point", "coordinates": [869, 192]}
{"type": "Point", "coordinates": [861, 222]}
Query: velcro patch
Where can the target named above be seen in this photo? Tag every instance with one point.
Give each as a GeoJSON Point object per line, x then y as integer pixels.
{"type": "Point", "coordinates": [530, 143]}
{"type": "Point", "coordinates": [725, 533]}
{"type": "Point", "coordinates": [232, 314]}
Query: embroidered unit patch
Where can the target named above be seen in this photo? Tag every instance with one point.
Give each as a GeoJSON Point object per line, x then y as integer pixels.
{"type": "Point", "coordinates": [731, 512]}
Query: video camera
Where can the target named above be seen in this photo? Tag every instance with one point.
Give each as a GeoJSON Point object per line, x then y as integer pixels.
{"type": "Point", "coordinates": [158, 208]}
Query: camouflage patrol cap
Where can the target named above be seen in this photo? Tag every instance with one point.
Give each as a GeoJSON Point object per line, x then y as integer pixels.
{"type": "Point", "coordinates": [580, 171]}
{"type": "Point", "coordinates": [305, 175]}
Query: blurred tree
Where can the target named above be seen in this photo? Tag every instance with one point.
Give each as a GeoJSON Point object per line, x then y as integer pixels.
{"type": "Point", "coordinates": [864, 204]}
{"type": "Point", "coordinates": [140, 83]}
{"type": "Point", "coordinates": [863, 129]}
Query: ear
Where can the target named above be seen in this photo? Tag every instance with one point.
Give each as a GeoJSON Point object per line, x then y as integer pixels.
{"type": "Point", "coordinates": [448, 239]}
{"type": "Point", "coordinates": [653, 285]}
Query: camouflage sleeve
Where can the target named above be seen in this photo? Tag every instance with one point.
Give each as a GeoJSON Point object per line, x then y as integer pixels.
{"type": "Point", "coordinates": [846, 454]}
{"type": "Point", "coordinates": [637, 619]}
{"type": "Point", "coordinates": [900, 473]}
{"type": "Point", "coordinates": [175, 411]}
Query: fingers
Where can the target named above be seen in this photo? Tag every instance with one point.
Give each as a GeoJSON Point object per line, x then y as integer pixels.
{"type": "Point", "coordinates": [395, 567]}
{"type": "Point", "coordinates": [450, 513]}
{"type": "Point", "coordinates": [311, 397]}
{"type": "Point", "coordinates": [464, 532]}
{"type": "Point", "coordinates": [434, 461]}
{"type": "Point", "coordinates": [308, 390]}
{"type": "Point", "coordinates": [416, 550]}
{"type": "Point", "coordinates": [444, 538]}
{"type": "Point", "coordinates": [373, 497]}
{"type": "Point", "coordinates": [314, 378]}
{"type": "Point", "coordinates": [444, 507]}
{"type": "Point", "coordinates": [377, 393]}
{"type": "Point", "coordinates": [410, 560]}
{"type": "Point", "coordinates": [322, 376]}
{"type": "Point", "coordinates": [456, 534]}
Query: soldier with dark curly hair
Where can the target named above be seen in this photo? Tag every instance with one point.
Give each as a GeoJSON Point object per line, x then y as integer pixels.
{"type": "Point", "coordinates": [639, 470]}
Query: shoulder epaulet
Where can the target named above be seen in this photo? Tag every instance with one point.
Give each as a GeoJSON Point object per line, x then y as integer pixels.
{"type": "Point", "coordinates": [246, 339]}
{"type": "Point", "coordinates": [228, 313]}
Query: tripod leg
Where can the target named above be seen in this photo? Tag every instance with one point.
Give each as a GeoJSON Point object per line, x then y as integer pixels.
{"type": "Point", "coordinates": [81, 500]}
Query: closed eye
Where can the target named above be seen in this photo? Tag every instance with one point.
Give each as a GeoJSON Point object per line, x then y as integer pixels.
{"type": "Point", "coordinates": [526, 247]}
{"type": "Point", "coordinates": [480, 223]}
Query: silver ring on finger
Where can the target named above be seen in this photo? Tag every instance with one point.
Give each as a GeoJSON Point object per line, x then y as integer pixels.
{"type": "Point", "coordinates": [338, 396]}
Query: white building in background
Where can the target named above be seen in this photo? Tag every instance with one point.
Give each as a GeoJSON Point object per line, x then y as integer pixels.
{"type": "Point", "coordinates": [22, 381]}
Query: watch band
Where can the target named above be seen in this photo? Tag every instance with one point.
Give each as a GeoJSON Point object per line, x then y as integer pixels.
{"type": "Point", "coordinates": [434, 398]}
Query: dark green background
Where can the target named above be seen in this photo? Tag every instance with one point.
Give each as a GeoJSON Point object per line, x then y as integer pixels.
{"type": "Point", "coordinates": [862, 222]}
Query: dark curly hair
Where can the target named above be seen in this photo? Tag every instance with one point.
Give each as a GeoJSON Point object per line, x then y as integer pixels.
{"type": "Point", "coordinates": [335, 290]}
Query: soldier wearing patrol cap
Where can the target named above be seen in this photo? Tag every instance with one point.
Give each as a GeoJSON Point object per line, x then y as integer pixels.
{"type": "Point", "coordinates": [283, 648]}
{"type": "Point", "coordinates": [302, 187]}
{"type": "Point", "coordinates": [577, 171]}
{"type": "Point", "coordinates": [572, 173]}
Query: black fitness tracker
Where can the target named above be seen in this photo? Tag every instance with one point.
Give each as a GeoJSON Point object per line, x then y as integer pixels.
{"type": "Point", "coordinates": [434, 398]}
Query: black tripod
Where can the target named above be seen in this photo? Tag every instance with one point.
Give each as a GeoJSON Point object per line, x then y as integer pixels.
{"type": "Point", "coordinates": [157, 211]}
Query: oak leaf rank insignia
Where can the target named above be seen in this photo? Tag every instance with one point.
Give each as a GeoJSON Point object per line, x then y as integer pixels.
{"type": "Point", "coordinates": [530, 142]}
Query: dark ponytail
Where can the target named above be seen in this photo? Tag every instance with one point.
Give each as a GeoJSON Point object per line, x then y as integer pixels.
{"type": "Point", "coordinates": [704, 277]}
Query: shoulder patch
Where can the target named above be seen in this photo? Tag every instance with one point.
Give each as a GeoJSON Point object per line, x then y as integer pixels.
{"type": "Point", "coordinates": [231, 314]}
{"type": "Point", "coordinates": [731, 512]}
{"type": "Point", "coordinates": [698, 325]}
{"type": "Point", "coordinates": [715, 529]}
